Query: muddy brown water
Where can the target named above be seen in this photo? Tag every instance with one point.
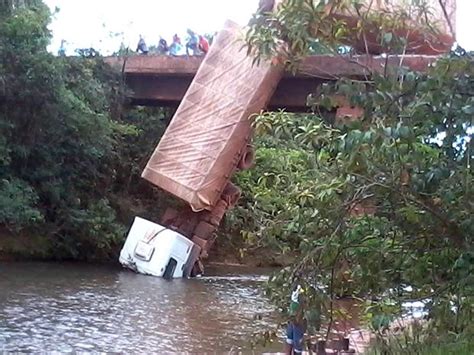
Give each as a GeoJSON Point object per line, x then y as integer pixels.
{"type": "Point", "coordinates": [74, 307]}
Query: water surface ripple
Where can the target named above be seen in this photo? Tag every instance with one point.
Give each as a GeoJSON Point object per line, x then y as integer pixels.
{"type": "Point", "coordinates": [74, 307]}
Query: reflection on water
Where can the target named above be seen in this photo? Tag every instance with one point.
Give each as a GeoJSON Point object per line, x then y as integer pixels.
{"type": "Point", "coordinates": [70, 307]}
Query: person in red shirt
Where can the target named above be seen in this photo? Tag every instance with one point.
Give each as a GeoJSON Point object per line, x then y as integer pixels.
{"type": "Point", "coordinates": [203, 44]}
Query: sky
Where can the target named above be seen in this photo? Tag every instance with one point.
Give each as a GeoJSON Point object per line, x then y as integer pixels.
{"type": "Point", "coordinates": [105, 24]}
{"type": "Point", "coordinates": [90, 23]}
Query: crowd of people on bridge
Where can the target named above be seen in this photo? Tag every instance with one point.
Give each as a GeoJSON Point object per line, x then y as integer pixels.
{"type": "Point", "coordinates": [195, 45]}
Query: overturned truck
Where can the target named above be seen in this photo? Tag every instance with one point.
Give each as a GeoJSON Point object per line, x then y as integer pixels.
{"type": "Point", "coordinates": [209, 139]}
{"type": "Point", "coordinates": [206, 142]}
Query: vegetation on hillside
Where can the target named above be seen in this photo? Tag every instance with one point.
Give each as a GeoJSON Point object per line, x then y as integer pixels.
{"type": "Point", "coordinates": [379, 208]}
{"type": "Point", "coordinates": [70, 154]}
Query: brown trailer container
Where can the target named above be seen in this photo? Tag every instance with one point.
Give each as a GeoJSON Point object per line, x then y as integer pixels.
{"type": "Point", "coordinates": [429, 32]}
{"type": "Point", "coordinates": [209, 133]}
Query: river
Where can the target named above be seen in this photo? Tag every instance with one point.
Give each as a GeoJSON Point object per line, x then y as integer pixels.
{"type": "Point", "coordinates": [95, 308]}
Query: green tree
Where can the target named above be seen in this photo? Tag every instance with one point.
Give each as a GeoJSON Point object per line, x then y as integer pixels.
{"type": "Point", "coordinates": [68, 148]}
{"type": "Point", "coordinates": [382, 209]}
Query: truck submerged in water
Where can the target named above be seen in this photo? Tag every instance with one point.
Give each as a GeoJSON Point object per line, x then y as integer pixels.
{"type": "Point", "coordinates": [209, 139]}
{"type": "Point", "coordinates": [206, 142]}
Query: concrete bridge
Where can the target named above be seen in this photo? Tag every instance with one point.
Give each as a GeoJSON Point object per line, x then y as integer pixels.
{"type": "Point", "coordinates": [163, 80]}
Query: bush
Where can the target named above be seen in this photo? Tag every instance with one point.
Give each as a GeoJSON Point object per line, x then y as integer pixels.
{"type": "Point", "coordinates": [70, 154]}
{"type": "Point", "coordinates": [18, 205]}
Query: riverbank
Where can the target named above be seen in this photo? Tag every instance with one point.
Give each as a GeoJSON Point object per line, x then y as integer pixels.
{"type": "Point", "coordinates": [24, 247]}
{"type": "Point", "coordinates": [21, 247]}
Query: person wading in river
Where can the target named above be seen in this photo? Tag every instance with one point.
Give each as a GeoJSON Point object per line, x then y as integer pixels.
{"type": "Point", "coordinates": [296, 325]}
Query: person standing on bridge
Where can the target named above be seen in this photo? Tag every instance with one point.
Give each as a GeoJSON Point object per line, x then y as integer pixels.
{"type": "Point", "coordinates": [162, 46]}
{"type": "Point", "coordinates": [62, 49]}
{"type": "Point", "coordinates": [142, 47]}
{"type": "Point", "coordinates": [176, 47]}
{"type": "Point", "coordinates": [203, 44]}
{"type": "Point", "coordinates": [192, 42]}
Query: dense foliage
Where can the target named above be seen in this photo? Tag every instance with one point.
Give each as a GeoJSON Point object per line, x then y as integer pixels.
{"type": "Point", "coordinates": [70, 156]}
{"type": "Point", "coordinates": [378, 208]}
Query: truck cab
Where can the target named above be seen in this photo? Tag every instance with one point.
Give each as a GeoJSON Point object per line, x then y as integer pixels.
{"type": "Point", "coordinates": [153, 249]}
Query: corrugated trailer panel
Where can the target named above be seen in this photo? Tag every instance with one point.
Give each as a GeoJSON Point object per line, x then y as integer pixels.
{"type": "Point", "coordinates": [203, 143]}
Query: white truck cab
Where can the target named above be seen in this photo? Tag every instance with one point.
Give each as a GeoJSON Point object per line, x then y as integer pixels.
{"type": "Point", "coordinates": [152, 249]}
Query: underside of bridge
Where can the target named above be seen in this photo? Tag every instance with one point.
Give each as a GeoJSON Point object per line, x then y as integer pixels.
{"type": "Point", "coordinates": [164, 80]}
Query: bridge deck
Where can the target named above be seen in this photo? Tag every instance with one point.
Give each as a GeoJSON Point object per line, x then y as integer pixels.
{"type": "Point", "coordinates": [163, 80]}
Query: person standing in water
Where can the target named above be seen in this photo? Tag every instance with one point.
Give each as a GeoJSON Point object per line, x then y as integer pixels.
{"type": "Point", "coordinates": [297, 324]}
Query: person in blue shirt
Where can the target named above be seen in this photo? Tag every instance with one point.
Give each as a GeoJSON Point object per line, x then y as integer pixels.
{"type": "Point", "coordinates": [192, 42]}
{"type": "Point", "coordinates": [175, 47]}
{"type": "Point", "coordinates": [142, 47]}
{"type": "Point", "coordinates": [162, 46]}
{"type": "Point", "coordinates": [62, 49]}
